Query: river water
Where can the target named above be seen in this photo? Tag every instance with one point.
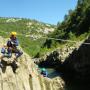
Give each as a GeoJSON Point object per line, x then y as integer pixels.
{"type": "Point", "coordinates": [52, 73]}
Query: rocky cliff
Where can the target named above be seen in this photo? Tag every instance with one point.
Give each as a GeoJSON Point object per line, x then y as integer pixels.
{"type": "Point", "coordinates": [73, 60]}
{"type": "Point", "coordinates": [78, 63]}
{"type": "Point", "coordinates": [25, 76]}
{"type": "Point", "coordinates": [58, 56]}
{"type": "Point", "coordinates": [74, 63]}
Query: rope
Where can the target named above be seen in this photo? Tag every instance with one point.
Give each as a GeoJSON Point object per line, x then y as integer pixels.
{"type": "Point", "coordinates": [64, 40]}
{"type": "Point", "coordinates": [59, 39]}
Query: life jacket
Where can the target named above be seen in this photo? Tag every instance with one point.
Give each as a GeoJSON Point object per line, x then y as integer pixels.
{"type": "Point", "coordinates": [9, 44]}
{"type": "Point", "coordinates": [13, 42]}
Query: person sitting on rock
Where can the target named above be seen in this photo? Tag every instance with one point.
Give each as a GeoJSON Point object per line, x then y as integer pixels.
{"type": "Point", "coordinates": [11, 47]}
{"type": "Point", "coordinates": [13, 43]}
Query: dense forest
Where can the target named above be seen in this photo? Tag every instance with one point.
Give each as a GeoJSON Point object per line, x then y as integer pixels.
{"type": "Point", "coordinates": [76, 23]}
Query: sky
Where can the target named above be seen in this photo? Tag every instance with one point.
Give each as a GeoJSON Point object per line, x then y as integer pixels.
{"type": "Point", "coordinates": [48, 11]}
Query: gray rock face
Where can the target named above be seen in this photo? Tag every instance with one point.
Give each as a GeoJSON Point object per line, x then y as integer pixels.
{"type": "Point", "coordinates": [78, 63]}
{"type": "Point", "coordinates": [55, 58]}
{"type": "Point", "coordinates": [74, 59]}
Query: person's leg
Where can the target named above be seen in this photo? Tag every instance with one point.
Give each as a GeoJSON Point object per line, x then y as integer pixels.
{"type": "Point", "coordinates": [18, 53]}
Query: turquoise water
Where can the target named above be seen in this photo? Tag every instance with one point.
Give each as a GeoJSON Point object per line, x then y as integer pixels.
{"type": "Point", "coordinates": [52, 73]}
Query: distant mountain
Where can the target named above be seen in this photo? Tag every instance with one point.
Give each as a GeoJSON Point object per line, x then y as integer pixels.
{"type": "Point", "coordinates": [25, 26]}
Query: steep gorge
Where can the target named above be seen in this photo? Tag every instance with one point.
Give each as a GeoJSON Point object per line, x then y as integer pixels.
{"type": "Point", "coordinates": [74, 66]}
{"type": "Point", "coordinates": [26, 77]}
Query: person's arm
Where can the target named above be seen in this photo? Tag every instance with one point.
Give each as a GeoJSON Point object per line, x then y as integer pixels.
{"type": "Point", "coordinates": [16, 42]}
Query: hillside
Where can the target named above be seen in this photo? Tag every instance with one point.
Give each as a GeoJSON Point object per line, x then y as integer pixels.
{"type": "Point", "coordinates": [76, 24]}
{"type": "Point", "coordinates": [74, 28]}
{"type": "Point", "coordinates": [25, 26]}
{"type": "Point", "coordinates": [30, 32]}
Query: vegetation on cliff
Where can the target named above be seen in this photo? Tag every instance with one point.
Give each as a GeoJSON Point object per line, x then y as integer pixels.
{"type": "Point", "coordinates": [29, 32]}
{"type": "Point", "coordinates": [76, 25]}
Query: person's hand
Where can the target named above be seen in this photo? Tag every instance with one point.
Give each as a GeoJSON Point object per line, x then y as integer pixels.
{"type": "Point", "coordinates": [10, 48]}
{"type": "Point", "coordinates": [12, 42]}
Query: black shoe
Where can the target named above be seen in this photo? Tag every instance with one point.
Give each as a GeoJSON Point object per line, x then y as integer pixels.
{"type": "Point", "coordinates": [18, 54]}
{"type": "Point", "coordinates": [14, 66]}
